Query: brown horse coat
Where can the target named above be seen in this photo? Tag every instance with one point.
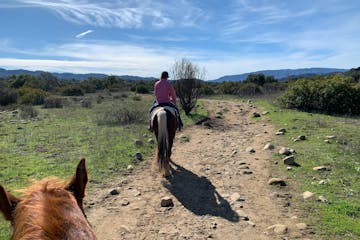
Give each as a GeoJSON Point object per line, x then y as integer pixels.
{"type": "Point", "coordinates": [49, 209]}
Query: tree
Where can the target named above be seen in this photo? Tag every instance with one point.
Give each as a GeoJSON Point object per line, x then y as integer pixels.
{"type": "Point", "coordinates": [187, 77]}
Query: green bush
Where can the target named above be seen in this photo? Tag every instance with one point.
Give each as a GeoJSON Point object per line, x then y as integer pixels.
{"type": "Point", "coordinates": [53, 102]}
{"type": "Point", "coordinates": [124, 115]}
{"type": "Point", "coordinates": [142, 89]}
{"type": "Point", "coordinates": [8, 96]}
{"type": "Point", "coordinates": [335, 94]}
{"type": "Point", "coordinates": [72, 90]}
{"type": "Point", "coordinates": [34, 96]}
{"type": "Point", "coordinates": [28, 111]}
{"type": "Point", "coordinates": [86, 103]}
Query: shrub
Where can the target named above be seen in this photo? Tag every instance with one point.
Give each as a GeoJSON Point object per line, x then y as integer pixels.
{"type": "Point", "coordinates": [124, 115]}
{"type": "Point", "coordinates": [53, 102]}
{"type": "Point", "coordinates": [333, 95]}
{"type": "Point", "coordinates": [28, 111]}
{"type": "Point", "coordinates": [86, 103]}
{"type": "Point", "coordinates": [137, 98]}
{"type": "Point", "coordinates": [8, 96]}
{"type": "Point", "coordinates": [34, 96]}
{"type": "Point", "coordinates": [72, 90]}
{"type": "Point", "coordinates": [142, 89]}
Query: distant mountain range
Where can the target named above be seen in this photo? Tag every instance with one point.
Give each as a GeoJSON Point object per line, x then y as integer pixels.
{"type": "Point", "coordinates": [283, 73]}
{"type": "Point", "coordinates": [278, 74]}
{"type": "Point", "coordinates": [69, 76]}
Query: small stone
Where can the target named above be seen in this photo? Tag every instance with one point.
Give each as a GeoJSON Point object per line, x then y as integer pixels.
{"type": "Point", "coordinates": [125, 202]}
{"type": "Point", "coordinates": [235, 197]}
{"type": "Point", "coordinates": [278, 228]}
{"type": "Point", "coordinates": [285, 151]}
{"type": "Point", "coordinates": [321, 168]}
{"type": "Point", "coordinates": [138, 156]}
{"type": "Point", "coordinates": [301, 137]}
{"type": "Point", "coordinates": [289, 160]}
{"type": "Point", "coordinates": [322, 182]}
{"type": "Point", "coordinates": [138, 142]}
{"type": "Point", "coordinates": [255, 114]}
{"type": "Point", "coordinates": [279, 133]}
{"type": "Point", "coordinates": [251, 223]}
{"type": "Point", "coordinates": [166, 202]}
{"type": "Point", "coordinates": [114, 192]}
{"type": "Point", "coordinates": [277, 181]}
{"type": "Point", "coordinates": [183, 138]}
{"type": "Point", "coordinates": [213, 225]}
{"type": "Point", "coordinates": [136, 193]}
{"type": "Point", "coordinates": [282, 130]}
{"type": "Point", "coordinates": [307, 195]}
{"type": "Point", "coordinates": [288, 168]}
{"type": "Point", "coordinates": [322, 199]}
{"type": "Point", "coordinates": [331, 137]}
{"type": "Point", "coordinates": [233, 153]}
{"type": "Point", "coordinates": [250, 150]}
{"type": "Point", "coordinates": [247, 172]}
{"type": "Point", "coordinates": [265, 112]}
{"type": "Point", "coordinates": [269, 146]}
{"type": "Point", "coordinates": [151, 141]}
{"type": "Point", "coordinates": [130, 167]}
{"type": "Point", "coordinates": [301, 226]}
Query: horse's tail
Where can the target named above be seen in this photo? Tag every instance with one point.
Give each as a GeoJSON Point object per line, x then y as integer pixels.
{"type": "Point", "coordinates": [163, 140]}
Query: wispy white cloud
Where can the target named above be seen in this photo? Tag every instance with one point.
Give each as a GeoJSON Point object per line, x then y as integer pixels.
{"type": "Point", "coordinates": [81, 35]}
{"type": "Point", "coordinates": [123, 14]}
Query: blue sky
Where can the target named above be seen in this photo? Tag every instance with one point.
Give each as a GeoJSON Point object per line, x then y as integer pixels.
{"type": "Point", "coordinates": [143, 37]}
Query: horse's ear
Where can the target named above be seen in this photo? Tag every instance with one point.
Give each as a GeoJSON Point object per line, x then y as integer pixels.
{"type": "Point", "coordinates": [78, 182]}
{"type": "Point", "coordinates": [8, 203]}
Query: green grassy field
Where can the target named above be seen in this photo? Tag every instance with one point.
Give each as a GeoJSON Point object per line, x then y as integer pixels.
{"type": "Point", "coordinates": [52, 143]}
{"type": "Point", "coordinates": [340, 217]}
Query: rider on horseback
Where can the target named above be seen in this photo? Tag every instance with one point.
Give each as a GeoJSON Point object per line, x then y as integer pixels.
{"type": "Point", "coordinates": [165, 95]}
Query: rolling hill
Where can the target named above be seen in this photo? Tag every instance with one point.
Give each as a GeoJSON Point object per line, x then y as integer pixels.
{"type": "Point", "coordinates": [283, 73]}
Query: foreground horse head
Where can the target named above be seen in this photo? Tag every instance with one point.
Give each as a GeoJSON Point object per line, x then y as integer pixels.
{"type": "Point", "coordinates": [49, 209]}
{"type": "Point", "coordinates": [164, 124]}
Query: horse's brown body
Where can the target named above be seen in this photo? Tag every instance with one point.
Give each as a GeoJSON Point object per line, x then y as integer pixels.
{"type": "Point", "coordinates": [165, 125]}
{"type": "Point", "coordinates": [49, 210]}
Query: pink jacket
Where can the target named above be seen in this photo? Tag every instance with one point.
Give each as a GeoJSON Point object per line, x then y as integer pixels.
{"type": "Point", "coordinates": [164, 92]}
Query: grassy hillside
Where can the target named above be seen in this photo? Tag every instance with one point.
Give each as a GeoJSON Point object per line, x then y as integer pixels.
{"type": "Point", "coordinates": [333, 142]}
{"type": "Point", "coordinates": [51, 144]}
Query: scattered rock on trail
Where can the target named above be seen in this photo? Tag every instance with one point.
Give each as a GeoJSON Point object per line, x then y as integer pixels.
{"type": "Point", "coordinates": [321, 168]}
{"type": "Point", "coordinates": [138, 156]}
{"type": "Point", "coordinates": [269, 146]}
{"type": "Point", "coordinates": [331, 137]}
{"type": "Point", "coordinates": [322, 199]}
{"type": "Point", "coordinates": [166, 202]}
{"type": "Point", "coordinates": [308, 195]}
{"type": "Point", "coordinates": [301, 226]}
{"type": "Point", "coordinates": [250, 150]}
{"type": "Point", "coordinates": [138, 142]}
{"type": "Point", "coordinates": [184, 138]}
{"type": "Point", "coordinates": [114, 192]}
{"type": "Point", "coordinates": [300, 138]}
{"type": "Point", "coordinates": [278, 228]}
{"type": "Point", "coordinates": [277, 181]}
{"type": "Point", "coordinates": [290, 160]}
{"type": "Point", "coordinates": [286, 151]}
{"type": "Point", "coordinates": [322, 182]}
{"type": "Point", "coordinates": [255, 114]}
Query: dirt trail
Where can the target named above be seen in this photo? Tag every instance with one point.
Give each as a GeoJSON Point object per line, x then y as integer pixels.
{"type": "Point", "coordinates": [219, 190]}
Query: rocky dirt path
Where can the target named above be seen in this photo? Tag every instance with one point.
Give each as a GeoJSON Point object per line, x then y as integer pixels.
{"type": "Point", "coordinates": [219, 190]}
